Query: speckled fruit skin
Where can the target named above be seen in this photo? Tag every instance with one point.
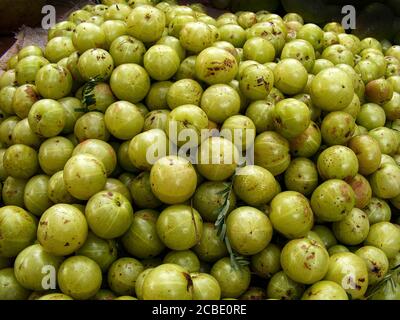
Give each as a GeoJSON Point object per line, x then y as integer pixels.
{"type": "Point", "coordinates": [18, 230]}
{"type": "Point", "coordinates": [123, 274]}
{"type": "Point", "coordinates": [165, 183]}
{"type": "Point", "coordinates": [332, 89]}
{"type": "Point", "coordinates": [215, 65]}
{"type": "Point", "coordinates": [353, 229]}
{"type": "Point", "coordinates": [179, 227]}
{"type": "Point", "coordinates": [255, 185]}
{"type": "Point", "coordinates": [249, 230]}
{"type": "Point", "coordinates": [307, 143]}
{"type": "Point", "coordinates": [350, 272]}
{"type": "Point", "coordinates": [251, 78]}
{"type": "Point", "coordinates": [291, 117]}
{"type": "Point", "coordinates": [337, 162]}
{"type": "Point", "coordinates": [46, 118]}
{"type": "Point", "coordinates": [368, 153]}
{"type": "Point", "coordinates": [291, 214]}
{"type": "Point", "coordinates": [301, 176]}
{"type": "Point", "coordinates": [332, 200]}
{"type": "Point", "coordinates": [62, 229]}
{"type": "Point", "coordinates": [376, 261]}
{"type": "Point", "coordinates": [233, 282]}
{"type": "Point", "coordinates": [337, 128]}
{"type": "Point", "coordinates": [281, 287]}
{"type": "Point", "coordinates": [109, 214]}
{"type": "Point", "coordinates": [79, 277]}
{"type": "Point", "coordinates": [20, 161]}
{"type": "Point", "coordinates": [325, 290]}
{"type": "Point", "coordinates": [362, 190]}
{"type": "Point", "coordinates": [304, 260]}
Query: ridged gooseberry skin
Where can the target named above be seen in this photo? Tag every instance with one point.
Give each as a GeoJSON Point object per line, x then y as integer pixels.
{"type": "Point", "coordinates": [173, 179]}
{"type": "Point", "coordinates": [332, 89]}
{"type": "Point", "coordinates": [291, 214]}
{"type": "Point", "coordinates": [84, 175]}
{"type": "Point", "coordinates": [109, 214]}
{"type": "Point", "coordinates": [95, 64]}
{"type": "Point", "coordinates": [130, 82]}
{"type": "Point", "coordinates": [161, 62]}
{"type": "Point", "coordinates": [179, 227]}
{"type": "Point", "coordinates": [167, 282]}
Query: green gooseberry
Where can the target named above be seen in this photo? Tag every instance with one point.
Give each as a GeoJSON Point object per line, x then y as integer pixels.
{"type": "Point", "coordinates": [29, 266]}
{"type": "Point", "coordinates": [301, 176]}
{"type": "Point", "coordinates": [281, 287]}
{"type": "Point", "coordinates": [332, 200]}
{"type": "Point", "coordinates": [210, 248]}
{"type": "Point", "coordinates": [325, 290]}
{"type": "Point", "coordinates": [233, 281]}
{"type": "Point", "coordinates": [266, 263]}
{"type": "Point", "coordinates": [54, 154]}
{"type": "Point", "coordinates": [307, 143]}
{"type": "Point", "coordinates": [161, 62]}
{"type": "Point", "coordinates": [353, 228]}
{"type": "Point", "coordinates": [10, 288]}
{"type": "Point", "coordinates": [109, 214]}
{"type": "Point", "coordinates": [350, 272]}
{"type": "Point", "coordinates": [337, 162]}
{"type": "Point", "coordinates": [84, 175]}
{"type": "Point", "coordinates": [385, 236]}
{"type": "Point", "coordinates": [249, 230]}
{"type": "Point", "coordinates": [18, 230]}
{"type": "Point", "coordinates": [271, 151]}
{"type": "Point", "coordinates": [123, 274]}
{"type": "Point", "coordinates": [156, 99]}
{"type": "Point", "coordinates": [141, 239]}
{"type": "Point", "coordinates": [208, 199]}
{"type": "Point", "coordinates": [255, 185]}
{"type": "Point", "coordinates": [62, 229]}
{"type": "Point", "coordinates": [219, 102]}
{"type": "Point", "coordinates": [79, 277]}
{"type": "Point", "coordinates": [141, 192]}
{"type": "Point", "coordinates": [179, 227]}
{"type": "Point", "coordinates": [371, 116]}
{"type": "Point", "coordinates": [182, 92]}
{"type": "Point", "coordinates": [376, 261]}
{"type": "Point", "coordinates": [291, 117]}
{"type": "Point", "coordinates": [294, 207]}
{"type": "Point", "coordinates": [36, 199]}
{"type": "Point", "coordinates": [337, 128]}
